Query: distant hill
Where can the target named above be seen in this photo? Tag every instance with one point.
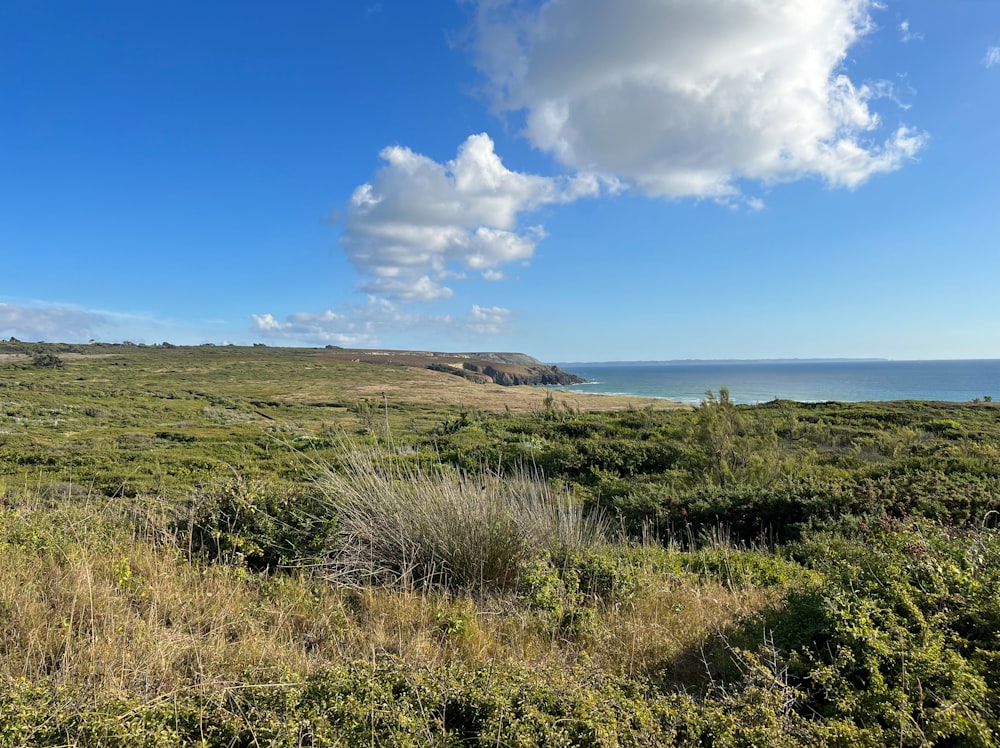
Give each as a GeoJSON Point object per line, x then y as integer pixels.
{"type": "Point", "coordinates": [506, 369]}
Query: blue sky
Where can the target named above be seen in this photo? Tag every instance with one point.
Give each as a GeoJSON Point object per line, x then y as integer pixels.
{"type": "Point", "coordinates": [574, 179]}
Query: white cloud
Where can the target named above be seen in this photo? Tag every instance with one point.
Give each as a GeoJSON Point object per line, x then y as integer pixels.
{"type": "Point", "coordinates": [992, 57]}
{"type": "Point", "coordinates": [487, 320]}
{"type": "Point", "coordinates": [51, 323]}
{"type": "Point", "coordinates": [689, 97]}
{"type": "Point", "coordinates": [317, 327]}
{"type": "Point", "coordinates": [420, 222]}
{"type": "Point", "coordinates": [908, 35]}
{"type": "Point", "coordinates": [366, 326]}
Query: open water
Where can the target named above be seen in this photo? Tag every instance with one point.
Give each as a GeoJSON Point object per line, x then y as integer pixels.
{"type": "Point", "coordinates": [804, 381]}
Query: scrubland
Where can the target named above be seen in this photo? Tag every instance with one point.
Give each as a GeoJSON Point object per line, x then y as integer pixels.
{"type": "Point", "coordinates": [242, 547]}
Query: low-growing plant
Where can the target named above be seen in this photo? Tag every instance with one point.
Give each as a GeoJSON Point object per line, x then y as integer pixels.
{"type": "Point", "coordinates": [47, 361]}
{"type": "Point", "coordinates": [601, 574]}
{"type": "Point", "coordinates": [386, 704]}
{"type": "Point", "coordinates": [900, 636]}
{"type": "Point", "coordinates": [253, 523]}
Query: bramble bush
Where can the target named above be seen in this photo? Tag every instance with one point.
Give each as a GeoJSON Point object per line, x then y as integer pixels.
{"type": "Point", "coordinates": [391, 704]}
{"type": "Point", "coordinates": [253, 523]}
{"type": "Point", "coordinates": [902, 637]}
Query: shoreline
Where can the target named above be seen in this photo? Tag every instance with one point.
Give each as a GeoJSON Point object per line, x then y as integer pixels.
{"type": "Point", "coordinates": [855, 381]}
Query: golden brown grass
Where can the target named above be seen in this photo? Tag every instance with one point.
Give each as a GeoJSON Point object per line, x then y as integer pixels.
{"type": "Point", "coordinates": [87, 602]}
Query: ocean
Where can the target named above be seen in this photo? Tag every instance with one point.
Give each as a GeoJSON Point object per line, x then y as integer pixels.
{"type": "Point", "coordinates": [804, 380]}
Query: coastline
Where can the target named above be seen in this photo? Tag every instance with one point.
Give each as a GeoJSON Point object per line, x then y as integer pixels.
{"type": "Point", "coordinates": [812, 381]}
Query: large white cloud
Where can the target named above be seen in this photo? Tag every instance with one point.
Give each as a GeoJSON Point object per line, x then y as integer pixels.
{"type": "Point", "coordinates": [419, 222]}
{"type": "Point", "coordinates": [689, 97]}
{"type": "Point", "coordinates": [51, 323]}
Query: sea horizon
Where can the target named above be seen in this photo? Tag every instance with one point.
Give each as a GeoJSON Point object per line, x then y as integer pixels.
{"type": "Point", "coordinates": [789, 360]}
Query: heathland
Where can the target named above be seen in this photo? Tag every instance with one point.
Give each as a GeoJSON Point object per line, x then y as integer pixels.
{"type": "Point", "coordinates": [227, 546]}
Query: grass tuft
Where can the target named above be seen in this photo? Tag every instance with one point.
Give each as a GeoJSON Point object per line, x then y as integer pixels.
{"type": "Point", "coordinates": [432, 526]}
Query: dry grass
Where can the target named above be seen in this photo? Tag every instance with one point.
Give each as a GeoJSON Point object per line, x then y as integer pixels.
{"type": "Point", "coordinates": [429, 525]}
{"type": "Point", "coordinates": [664, 632]}
{"type": "Point", "coordinates": [89, 602]}
{"type": "Point", "coordinates": [438, 389]}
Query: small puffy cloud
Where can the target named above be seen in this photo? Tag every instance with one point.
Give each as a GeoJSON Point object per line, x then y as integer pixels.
{"type": "Point", "coordinates": [52, 323]}
{"type": "Point", "coordinates": [992, 57]}
{"type": "Point", "coordinates": [688, 98]}
{"type": "Point", "coordinates": [370, 325]}
{"type": "Point", "coordinates": [487, 320]}
{"type": "Point", "coordinates": [908, 35]}
{"type": "Point", "coordinates": [419, 223]}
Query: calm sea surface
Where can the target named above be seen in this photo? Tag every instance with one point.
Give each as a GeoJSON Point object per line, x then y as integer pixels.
{"type": "Point", "coordinates": [805, 381]}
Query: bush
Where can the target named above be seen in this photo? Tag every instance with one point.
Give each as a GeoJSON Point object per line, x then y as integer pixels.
{"type": "Point", "coordinates": [251, 523]}
{"type": "Point", "coordinates": [901, 637]}
{"type": "Point", "coordinates": [47, 361]}
{"type": "Point", "coordinates": [600, 575]}
{"type": "Point", "coordinates": [387, 704]}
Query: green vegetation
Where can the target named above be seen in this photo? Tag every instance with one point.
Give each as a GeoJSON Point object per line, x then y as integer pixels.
{"type": "Point", "coordinates": [220, 546]}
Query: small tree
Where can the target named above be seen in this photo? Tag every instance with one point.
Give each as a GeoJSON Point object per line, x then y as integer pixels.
{"type": "Point", "coordinates": [737, 443]}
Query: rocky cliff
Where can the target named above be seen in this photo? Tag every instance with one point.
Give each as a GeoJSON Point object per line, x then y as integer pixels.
{"type": "Point", "coordinates": [514, 374]}
{"type": "Point", "coordinates": [506, 369]}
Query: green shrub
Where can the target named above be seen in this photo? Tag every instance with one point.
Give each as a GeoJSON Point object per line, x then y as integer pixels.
{"type": "Point", "coordinates": [743, 567]}
{"type": "Point", "coordinates": [563, 589]}
{"type": "Point", "coordinates": [390, 704]}
{"type": "Point", "coordinates": [47, 361]}
{"type": "Point", "coordinates": [253, 523]}
{"type": "Point", "coordinates": [947, 427]}
{"type": "Point", "coordinates": [600, 574]}
{"type": "Point", "coordinates": [542, 588]}
{"type": "Point", "coordinates": [901, 636]}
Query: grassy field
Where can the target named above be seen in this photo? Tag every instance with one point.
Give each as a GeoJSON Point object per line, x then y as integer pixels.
{"type": "Point", "coordinates": [125, 420]}
{"type": "Point", "coordinates": [239, 547]}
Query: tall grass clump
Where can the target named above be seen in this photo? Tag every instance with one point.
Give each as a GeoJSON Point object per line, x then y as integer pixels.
{"type": "Point", "coordinates": [429, 525]}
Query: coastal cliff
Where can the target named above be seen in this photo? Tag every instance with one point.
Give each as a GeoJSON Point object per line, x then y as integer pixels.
{"type": "Point", "coordinates": [515, 374]}
{"type": "Point", "coordinates": [506, 369]}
